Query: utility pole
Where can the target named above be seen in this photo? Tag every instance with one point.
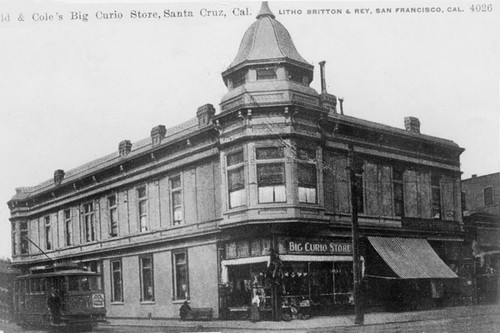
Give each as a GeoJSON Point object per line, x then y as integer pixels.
{"type": "Point", "coordinates": [358, 296]}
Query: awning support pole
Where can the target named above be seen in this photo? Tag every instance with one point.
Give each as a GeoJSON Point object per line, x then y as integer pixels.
{"type": "Point", "coordinates": [354, 169]}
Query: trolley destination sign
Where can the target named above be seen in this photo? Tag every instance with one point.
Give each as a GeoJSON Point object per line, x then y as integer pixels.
{"type": "Point", "coordinates": [318, 247]}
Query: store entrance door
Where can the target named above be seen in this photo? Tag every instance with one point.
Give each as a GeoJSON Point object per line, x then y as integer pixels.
{"type": "Point", "coordinates": [244, 283]}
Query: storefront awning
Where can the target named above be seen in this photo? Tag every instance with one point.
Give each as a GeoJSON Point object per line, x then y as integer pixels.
{"type": "Point", "coordinates": [296, 257]}
{"type": "Point", "coordinates": [241, 261]}
{"type": "Point", "coordinates": [245, 261]}
{"type": "Point", "coordinates": [411, 258]}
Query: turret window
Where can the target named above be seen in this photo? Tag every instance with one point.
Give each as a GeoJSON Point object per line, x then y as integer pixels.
{"type": "Point", "coordinates": [295, 75]}
{"type": "Point", "coordinates": [266, 73]}
{"type": "Point", "coordinates": [271, 180]}
{"type": "Point", "coordinates": [307, 175]}
{"type": "Point", "coordinates": [236, 179]}
{"type": "Point", "coordinates": [307, 182]}
{"type": "Point", "coordinates": [239, 78]}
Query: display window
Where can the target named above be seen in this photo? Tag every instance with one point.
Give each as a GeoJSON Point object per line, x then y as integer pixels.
{"type": "Point", "coordinates": [246, 281]}
{"type": "Point", "coordinates": [325, 284]}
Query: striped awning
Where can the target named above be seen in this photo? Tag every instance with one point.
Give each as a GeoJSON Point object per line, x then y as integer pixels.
{"type": "Point", "coordinates": [411, 258]}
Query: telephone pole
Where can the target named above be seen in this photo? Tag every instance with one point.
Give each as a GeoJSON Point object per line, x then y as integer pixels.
{"type": "Point", "coordinates": [355, 168]}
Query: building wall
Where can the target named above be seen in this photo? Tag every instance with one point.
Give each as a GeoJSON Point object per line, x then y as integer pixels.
{"type": "Point", "coordinates": [200, 200]}
{"type": "Point", "coordinates": [203, 277]}
{"type": "Point", "coordinates": [203, 284]}
{"type": "Point", "coordinates": [474, 194]}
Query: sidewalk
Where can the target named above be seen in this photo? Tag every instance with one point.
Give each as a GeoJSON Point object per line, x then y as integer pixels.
{"type": "Point", "coordinates": [317, 322]}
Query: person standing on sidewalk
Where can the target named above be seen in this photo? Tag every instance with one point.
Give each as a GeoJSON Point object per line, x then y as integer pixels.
{"type": "Point", "coordinates": [255, 315]}
{"type": "Point", "coordinates": [54, 306]}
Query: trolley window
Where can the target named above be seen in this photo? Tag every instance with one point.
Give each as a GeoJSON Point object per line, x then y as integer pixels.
{"type": "Point", "coordinates": [73, 283]}
{"type": "Point", "coordinates": [83, 283]}
{"type": "Point", "coordinates": [36, 286]}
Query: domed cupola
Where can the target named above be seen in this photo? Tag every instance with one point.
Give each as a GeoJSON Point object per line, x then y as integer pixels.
{"type": "Point", "coordinates": [267, 61]}
{"type": "Point", "coordinates": [267, 41]}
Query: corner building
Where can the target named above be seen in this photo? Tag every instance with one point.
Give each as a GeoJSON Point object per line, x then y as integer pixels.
{"type": "Point", "coordinates": [256, 198]}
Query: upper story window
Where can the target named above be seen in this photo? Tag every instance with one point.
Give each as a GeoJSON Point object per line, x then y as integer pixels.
{"type": "Point", "coordinates": [24, 238]}
{"type": "Point", "coordinates": [488, 195]}
{"type": "Point", "coordinates": [307, 175]}
{"type": "Point", "coordinates": [14, 238]}
{"type": "Point", "coordinates": [397, 183]}
{"type": "Point", "coordinates": [89, 222]}
{"type": "Point", "coordinates": [239, 78]}
{"type": "Point", "coordinates": [271, 180]}
{"type": "Point", "coordinates": [360, 197]}
{"type": "Point", "coordinates": [436, 196]}
{"type": "Point", "coordinates": [68, 228]}
{"type": "Point", "coordinates": [113, 216]}
{"type": "Point", "coordinates": [266, 73]}
{"type": "Point", "coordinates": [236, 179]}
{"type": "Point", "coordinates": [176, 199]}
{"type": "Point", "coordinates": [269, 153]}
{"type": "Point", "coordinates": [48, 233]}
{"type": "Point", "coordinates": [142, 197]}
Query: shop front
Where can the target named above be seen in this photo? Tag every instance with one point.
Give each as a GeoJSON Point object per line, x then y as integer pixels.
{"type": "Point", "coordinates": [317, 275]}
{"type": "Point", "coordinates": [243, 276]}
{"type": "Point", "coordinates": [406, 274]}
{"type": "Point", "coordinates": [304, 277]}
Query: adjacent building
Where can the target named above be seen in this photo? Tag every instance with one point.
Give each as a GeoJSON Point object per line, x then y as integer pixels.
{"type": "Point", "coordinates": [256, 198]}
{"type": "Point", "coordinates": [481, 205]}
{"type": "Point", "coordinates": [7, 276]}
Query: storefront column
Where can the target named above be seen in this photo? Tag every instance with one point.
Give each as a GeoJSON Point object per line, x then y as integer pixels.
{"type": "Point", "coordinates": [275, 297]}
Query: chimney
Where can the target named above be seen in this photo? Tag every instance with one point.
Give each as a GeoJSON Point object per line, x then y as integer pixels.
{"type": "Point", "coordinates": [58, 176]}
{"type": "Point", "coordinates": [157, 134]}
{"type": "Point", "coordinates": [205, 114]}
{"type": "Point", "coordinates": [474, 176]}
{"type": "Point", "coordinates": [412, 124]}
{"type": "Point", "coordinates": [323, 79]}
{"type": "Point", "coordinates": [124, 147]}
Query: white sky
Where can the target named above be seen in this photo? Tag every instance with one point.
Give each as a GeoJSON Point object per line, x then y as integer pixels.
{"type": "Point", "coordinates": [70, 91]}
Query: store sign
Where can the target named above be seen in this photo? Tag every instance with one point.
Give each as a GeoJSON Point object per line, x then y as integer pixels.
{"type": "Point", "coordinates": [318, 247]}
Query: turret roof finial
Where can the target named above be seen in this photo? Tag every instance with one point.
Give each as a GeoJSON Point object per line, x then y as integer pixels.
{"type": "Point", "coordinates": [265, 11]}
